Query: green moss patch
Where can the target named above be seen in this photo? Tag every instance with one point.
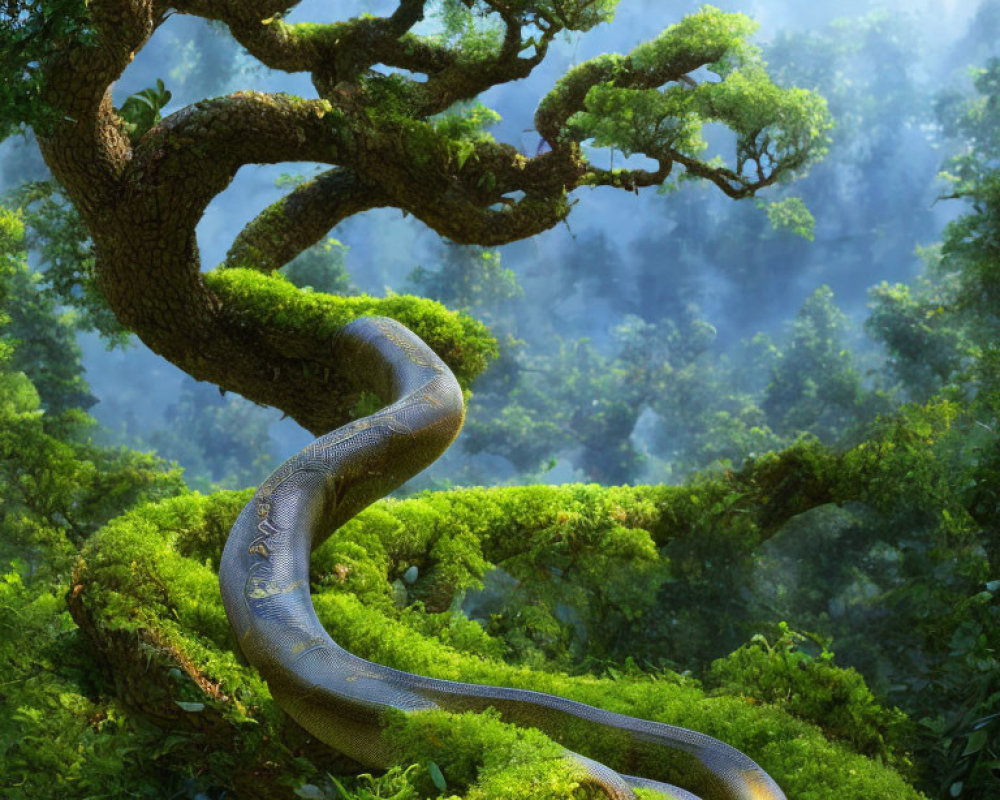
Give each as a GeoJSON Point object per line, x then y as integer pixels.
{"type": "Point", "coordinates": [146, 593]}
{"type": "Point", "coordinates": [272, 303]}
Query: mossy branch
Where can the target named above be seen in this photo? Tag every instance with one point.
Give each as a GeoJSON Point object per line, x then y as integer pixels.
{"type": "Point", "coordinates": [300, 325]}
{"type": "Point", "coordinates": [452, 537]}
{"type": "Point", "coordinates": [647, 103]}
{"type": "Point", "coordinates": [396, 140]}
{"type": "Point", "coordinates": [301, 218]}
{"type": "Point", "coordinates": [202, 146]}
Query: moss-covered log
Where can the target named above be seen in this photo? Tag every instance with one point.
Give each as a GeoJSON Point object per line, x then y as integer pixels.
{"type": "Point", "coordinates": [145, 591]}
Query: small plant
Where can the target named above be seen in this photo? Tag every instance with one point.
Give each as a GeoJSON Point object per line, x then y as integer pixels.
{"type": "Point", "coordinates": [797, 673]}
{"type": "Point", "coordinates": [141, 111]}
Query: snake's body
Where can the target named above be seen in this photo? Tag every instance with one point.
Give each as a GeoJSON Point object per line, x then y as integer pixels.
{"type": "Point", "coordinates": [340, 698]}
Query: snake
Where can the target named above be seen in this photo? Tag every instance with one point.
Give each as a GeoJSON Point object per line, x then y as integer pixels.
{"type": "Point", "coordinates": [344, 700]}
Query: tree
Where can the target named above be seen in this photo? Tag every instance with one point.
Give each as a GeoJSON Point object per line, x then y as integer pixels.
{"type": "Point", "coordinates": [814, 386]}
{"type": "Point", "coordinates": [55, 232]}
{"type": "Point", "coordinates": [470, 279]}
{"type": "Point", "coordinates": [221, 441]}
{"type": "Point", "coordinates": [411, 139]}
{"type": "Point", "coordinates": [321, 268]}
{"type": "Point", "coordinates": [58, 486]}
{"type": "Point", "coordinates": [46, 349]}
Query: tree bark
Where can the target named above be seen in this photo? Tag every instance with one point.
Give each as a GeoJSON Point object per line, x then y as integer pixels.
{"type": "Point", "coordinates": [142, 199]}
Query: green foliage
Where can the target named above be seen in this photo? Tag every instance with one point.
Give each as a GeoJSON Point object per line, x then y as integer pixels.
{"type": "Point", "coordinates": [719, 35]}
{"type": "Point", "coordinates": [896, 578]}
{"type": "Point", "coordinates": [11, 261]}
{"type": "Point", "coordinates": [58, 738]}
{"type": "Point", "coordinates": [777, 130]}
{"type": "Point", "coordinates": [230, 444]}
{"type": "Point", "coordinates": [709, 410]}
{"type": "Point", "coordinates": [959, 711]}
{"type": "Point", "coordinates": [56, 232]}
{"type": "Point", "coordinates": [222, 441]}
{"type": "Point", "coordinates": [463, 343]}
{"type": "Point", "coordinates": [58, 487]}
{"type": "Point", "coordinates": [61, 733]}
{"type": "Point", "coordinates": [395, 783]}
{"type": "Point", "coordinates": [813, 688]}
{"type": "Point", "coordinates": [640, 121]}
{"type": "Point", "coordinates": [150, 575]}
{"type": "Point", "coordinates": [11, 235]}
{"type": "Point", "coordinates": [588, 401]}
{"type": "Point", "coordinates": [792, 215]}
{"type": "Point", "coordinates": [469, 29]}
{"type": "Point", "coordinates": [580, 15]}
{"type": "Point", "coordinates": [970, 245]}
{"type": "Point", "coordinates": [916, 324]}
{"type": "Point", "coordinates": [772, 125]}
{"type": "Point", "coordinates": [941, 332]}
{"type": "Point", "coordinates": [974, 122]}
{"type": "Point", "coordinates": [461, 20]}
{"type": "Point", "coordinates": [465, 125]}
{"type": "Point", "coordinates": [481, 752]}
{"type": "Point", "coordinates": [45, 347]}
{"type": "Point", "coordinates": [941, 336]}
{"type": "Point", "coordinates": [141, 111]}
{"type": "Point", "coordinates": [815, 386]}
{"type": "Point", "coordinates": [321, 268]}
{"type": "Point", "coordinates": [31, 34]}
{"type": "Point", "coordinates": [468, 279]}
{"type": "Point", "coordinates": [707, 415]}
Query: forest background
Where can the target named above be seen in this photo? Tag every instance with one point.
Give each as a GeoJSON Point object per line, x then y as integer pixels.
{"type": "Point", "coordinates": [672, 338]}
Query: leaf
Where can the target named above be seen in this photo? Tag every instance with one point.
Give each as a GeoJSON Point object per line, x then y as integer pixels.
{"type": "Point", "coordinates": [141, 110]}
{"type": "Point", "coordinates": [437, 776]}
{"type": "Point", "coordinates": [465, 149]}
{"type": "Point", "coordinates": [487, 180]}
{"type": "Point", "coordinates": [791, 215]}
{"type": "Point", "coordinates": [190, 707]}
{"type": "Point", "coordinates": [310, 792]}
{"type": "Point", "coordinates": [976, 742]}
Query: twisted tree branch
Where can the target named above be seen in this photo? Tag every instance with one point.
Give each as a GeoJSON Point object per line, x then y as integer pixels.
{"type": "Point", "coordinates": [197, 151]}
{"type": "Point", "coordinates": [300, 219]}
{"type": "Point", "coordinates": [142, 200]}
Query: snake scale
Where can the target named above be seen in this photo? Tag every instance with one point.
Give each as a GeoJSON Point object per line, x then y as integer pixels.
{"type": "Point", "coordinates": [340, 698]}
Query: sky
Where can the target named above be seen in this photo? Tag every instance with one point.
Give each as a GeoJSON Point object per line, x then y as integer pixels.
{"type": "Point", "coordinates": [636, 230]}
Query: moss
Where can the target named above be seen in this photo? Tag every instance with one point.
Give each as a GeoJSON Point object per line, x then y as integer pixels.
{"type": "Point", "coordinates": [813, 688]}
{"type": "Point", "coordinates": [711, 34]}
{"type": "Point", "coordinates": [147, 595]}
{"type": "Point", "coordinates": [273, 303]}
{"type": "Point", "coordinates": [782, 745]}
{"type": "Point", "coordinates": [150, 603]}
{"type": "Point", "coordinates": [483, 757]}
{"type": "Point", "coordinates": [59, 738]}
